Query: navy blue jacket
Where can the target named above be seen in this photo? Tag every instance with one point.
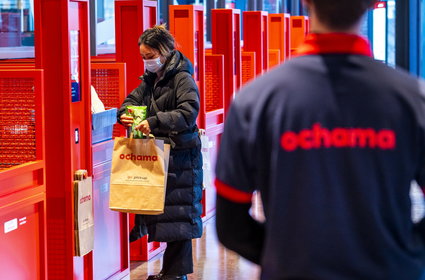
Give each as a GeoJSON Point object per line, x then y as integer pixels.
{"type": "Point", "coordinates": [332, 139]}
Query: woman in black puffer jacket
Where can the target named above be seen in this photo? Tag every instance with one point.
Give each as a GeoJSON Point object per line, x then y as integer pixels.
{"type": "Point", "coordinates": [172, 98]}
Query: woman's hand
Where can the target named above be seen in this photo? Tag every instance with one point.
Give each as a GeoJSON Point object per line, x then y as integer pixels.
{"type": "Point", "coordinates": [126, 120]}
{"type": "Point", "coordinates": [144, 127]}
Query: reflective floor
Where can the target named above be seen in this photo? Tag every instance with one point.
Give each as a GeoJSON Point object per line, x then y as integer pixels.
{"type": "Point", "coordinates": [211, 261]}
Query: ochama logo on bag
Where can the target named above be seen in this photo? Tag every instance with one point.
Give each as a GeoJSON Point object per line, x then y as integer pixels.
{"type": "Point", "coordinates": [138, 157]}
{"type": "Point", "coordinates": [320, 137]}
{"type": "Point", "coordinates": [85, 198]}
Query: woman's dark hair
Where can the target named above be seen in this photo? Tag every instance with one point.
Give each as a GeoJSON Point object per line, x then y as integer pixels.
{"type": "Point", "coordinates": [158, 38]}
{"type": "Point", "coordinates": [341, 14]}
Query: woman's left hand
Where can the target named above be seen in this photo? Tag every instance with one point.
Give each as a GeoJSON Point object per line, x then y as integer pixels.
{"type": "Point", "coordinates": [144, 127]}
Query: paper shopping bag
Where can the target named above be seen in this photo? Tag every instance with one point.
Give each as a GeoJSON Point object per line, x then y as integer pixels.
{"type": "Point", "coordinates": [138, 176]}
{"type": "Point", "coordinates": [83, 216]}
{"type": "Point", "coordinates": [207, 166]}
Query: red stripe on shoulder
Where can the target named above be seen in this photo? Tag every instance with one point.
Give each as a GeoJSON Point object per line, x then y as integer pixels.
{"type": "Point", "coordinates": [231, 193]}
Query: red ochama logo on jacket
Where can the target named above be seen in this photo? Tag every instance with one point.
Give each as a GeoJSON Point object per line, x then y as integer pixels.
{"type": "Point", "coordinates": [138, 157]}
{"type": "Point", "coordinates": [319, 137]}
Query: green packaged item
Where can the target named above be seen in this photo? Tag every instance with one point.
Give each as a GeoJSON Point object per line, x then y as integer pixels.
{"type": "Point", "coordinates": [139, 114]}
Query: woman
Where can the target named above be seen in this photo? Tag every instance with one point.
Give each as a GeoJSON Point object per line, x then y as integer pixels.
{"type": "Point", "coordinates": [171, 96]}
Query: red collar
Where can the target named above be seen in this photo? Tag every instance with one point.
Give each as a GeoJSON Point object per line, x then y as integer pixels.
{"type": "Point", "coordinates": [334, 43]}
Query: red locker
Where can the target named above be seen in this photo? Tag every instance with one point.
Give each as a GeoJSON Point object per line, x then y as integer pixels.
{"type": "Point", "coordinates": [274, 58]}
{"type": "Point", "coordinates": [214, 100]}
{"type": "Point", "coordinates": [142, 250]}
{"type": "Point", "coordinates": [110, 254]}
{"type": "Point", "coordinates": [22, 175]}
{"type": "Point", "coordinates": [132, 17]}
{"type": "Point", "coordinates": [287, 18]}
{"type": "Point", "coordinates": [248, 66]}
{"type": "Point", "coordinates": [279, 35]}
{"type": "Point", "coordinates": [62, 50]}
{"type": "Point", "coordinates": [256, 38]}
{"type": "Point", "coordinates": [22, 238]}
{"type": "Point", "coordinates": [226, 41]}
{"type": "Point", "coordinates": [187, 26]}
{"type": "Point", "coordinates": [299, 29]}
{"type": "Point", "coordinates": [109, 80]}
{"type": "Point", "coordinates": [213, 103]}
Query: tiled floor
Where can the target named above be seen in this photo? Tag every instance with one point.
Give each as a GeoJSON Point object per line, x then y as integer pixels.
{"type": "Point", "coordinates": [211, 261]}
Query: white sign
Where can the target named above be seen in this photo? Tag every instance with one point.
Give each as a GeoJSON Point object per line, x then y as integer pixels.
{"type": "Point", "coordinates": [10, 225]}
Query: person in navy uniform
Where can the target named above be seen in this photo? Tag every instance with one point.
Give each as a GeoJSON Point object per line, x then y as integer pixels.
{"type": "Point", "coordinates": [332, 140]}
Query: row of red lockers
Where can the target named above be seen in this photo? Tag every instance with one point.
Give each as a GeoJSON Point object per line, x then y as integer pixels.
{"type": "Point", "coordinates": [38, 157]}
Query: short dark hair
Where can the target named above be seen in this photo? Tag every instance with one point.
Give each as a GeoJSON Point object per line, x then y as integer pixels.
{"type": "Point", "coordinates": [341, 14]}
{"type": "Point", "coordinates": [158, 38]}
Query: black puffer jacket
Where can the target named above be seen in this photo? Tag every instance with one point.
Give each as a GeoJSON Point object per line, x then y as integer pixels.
{"type": "Point", "coordinates": [177, 98]}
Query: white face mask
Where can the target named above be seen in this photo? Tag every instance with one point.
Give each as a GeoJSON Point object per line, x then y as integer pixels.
{"type": "Point", "coordinates": [153, 65]}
